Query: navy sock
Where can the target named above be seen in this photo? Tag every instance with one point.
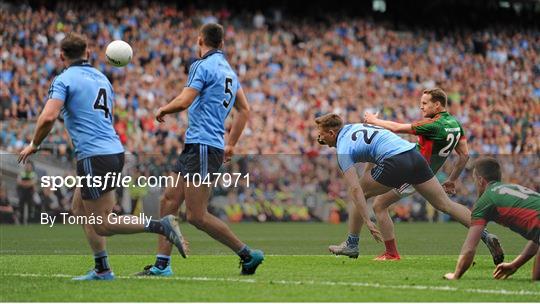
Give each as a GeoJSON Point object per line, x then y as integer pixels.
{"type": "Point", "coordinates": [162, 261]}
{"type": "Point", "coordinates": [244, 253]}
{"type": "Point", "coordinates": [102, 262]}
{"type": "Point", "coordinates": [352, 240]}
{"type": "Point", "coordinates": [484, 235]}
{"type": "Point", "coordinates": [154, 226]}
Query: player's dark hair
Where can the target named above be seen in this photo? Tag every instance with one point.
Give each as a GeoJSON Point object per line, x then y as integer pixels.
{"type": "Point", "coordinates": [73, 46]}
{"type": "Point", "coordinates": [330, 121]}
{"type": "Point", "coordinates": [488, 168]}
{"type": "Point", "coordinates": [212, 34]}
{"type": "Point", "coordinates": [437, 94]}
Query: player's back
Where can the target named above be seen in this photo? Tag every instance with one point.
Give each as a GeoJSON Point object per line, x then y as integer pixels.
{"type": "Point", "coordinates": [438, 136]}
{"type": "Point", "coordinates": [87, 111]}
{"type": "Point", "coordinates": [366, 143]}
{"type": "Point", "coordinates": [511, 205]}
{"type": "Point", "coordinates": [217, 84]}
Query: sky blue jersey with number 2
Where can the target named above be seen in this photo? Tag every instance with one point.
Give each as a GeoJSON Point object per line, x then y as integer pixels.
{"type": "Point", "coordinates": [364, 143]}
{"type": "Point", "coordinates": [87, 111]}
{"type": "Point", "coordinates": [217, 84]}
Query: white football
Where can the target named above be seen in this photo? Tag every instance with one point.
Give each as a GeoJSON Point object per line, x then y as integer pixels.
{"type": "Point", "coordinates": [119, 53]}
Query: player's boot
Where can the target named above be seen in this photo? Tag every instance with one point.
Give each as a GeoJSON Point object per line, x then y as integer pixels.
{"type": "Point", "coordinates": [249, 265]}
{"type": "Point", "coordinates": [152, 270]}
{"type": "Point", "coordinates": [92, 275]}
{"type": "Point", "coordinates": [387, 257]}
{"type": "Point", "coordinates": [343, 249]}
{"type": "Point", "coordinates": [173, 234]}
{"type": "Point", "coordinates": [495, 248]}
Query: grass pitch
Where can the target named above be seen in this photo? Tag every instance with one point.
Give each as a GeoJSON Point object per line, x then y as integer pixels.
{"type": "Point", "coordinates": [37, 262]}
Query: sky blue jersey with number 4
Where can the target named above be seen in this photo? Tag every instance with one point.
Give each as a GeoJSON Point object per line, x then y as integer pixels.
{"type": "Point", "coordinates": [364, 143]}
{"type": "Point", "coordinates": [87, 111]}
{"type": "Point", "coordinates": [217, 84]}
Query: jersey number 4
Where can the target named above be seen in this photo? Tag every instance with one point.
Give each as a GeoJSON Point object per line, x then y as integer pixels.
{"type": "Point", "coordinates": [101, 102]}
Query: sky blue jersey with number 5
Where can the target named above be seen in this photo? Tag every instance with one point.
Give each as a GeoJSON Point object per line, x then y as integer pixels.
{"type": "Point", "coordinates": [217, 84]}
{"type": "Point", "coordinates": [364, 143]}
{"type": "Point", "coordinates": [87, 111]}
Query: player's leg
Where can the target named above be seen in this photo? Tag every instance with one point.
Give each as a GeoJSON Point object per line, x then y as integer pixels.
{"type": "Point", "coordinates": [380, 206]}
{"type": "Point", "coordinates": [371, 188]}
{"type": "Point", "coordinates": [169, 203]}
{"type": "Point", "coordinates": [99, 202]}
{"type": "Point", "coordinates": [536, 267]}
{"type": "Point", "coordinates": [97, 243]}
{"type": "Point", "coordinates": [434, 193]}
{"type": "Point", "coordinates": [198, 215]}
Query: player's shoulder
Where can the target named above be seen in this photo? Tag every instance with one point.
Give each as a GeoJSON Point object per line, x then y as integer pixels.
{"type": "Point", "coordinates": [427, 121]}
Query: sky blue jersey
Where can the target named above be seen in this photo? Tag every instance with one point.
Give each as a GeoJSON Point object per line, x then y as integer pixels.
{"type": "Point", "coordinates": [88, 103]}
{"type": "Point", "coordinates": [217, 84]}
{"type": "Point", "coordinates": [361, 143]}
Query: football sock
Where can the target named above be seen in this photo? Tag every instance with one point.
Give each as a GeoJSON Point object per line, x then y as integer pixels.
{"type": "Point", "coordinates": [244, 253]}
{"type": "Point", "coordinates": [352, 240]}
{"type": "Point", "coordinates": [162, 261]}
{"type": "Point", "coordinates": [391, 247]}
{"type": "Point", "coordinates": [484, 235]}
{"type": "Point", "coordinates": [154, 226]}
{"type": "Point", "coordinates": [102, 262]}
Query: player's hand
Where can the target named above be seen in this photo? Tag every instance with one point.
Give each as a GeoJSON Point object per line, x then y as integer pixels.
{"type": "Point", "coordinates": [450, 276]}
{"type": "Point", "coordinates": [449, 187]}
{"type": "Point", "coordinates": [503, 271]}
{"type": "Point", "coordinates": [375, 233]}
{"type": "Point", "coordinates": [371, 118]}
{"type": "Point", "coordinates": [160, 115]}
{"type": "Point", "coordinates": [26, 152]}
{"type": "Point", "coordinates": [229, 151]}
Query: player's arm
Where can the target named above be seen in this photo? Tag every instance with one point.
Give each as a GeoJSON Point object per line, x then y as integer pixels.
{"type": "Point", "coordinates": [178, 104]}
{"type": "Point", "coordinates": [44, 125]}
{"type": "Point", "coordinates": [504, 270]}
{"type": "Point", "coordinates": [240, 119]}
{"type": "Point", "coordinates": [357, 195]}
{"type": "Point", "coordinates": [462, 151]}
{"type": "Point", "coordinates": [393, 126]}
{"type": "Point", "coordinates": [468, 251]}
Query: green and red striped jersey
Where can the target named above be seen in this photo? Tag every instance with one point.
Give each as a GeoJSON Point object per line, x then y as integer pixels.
{"type": "Point", "coordinates": [437, 137]}
{"type": "Point", "coordinates": [510, 205]}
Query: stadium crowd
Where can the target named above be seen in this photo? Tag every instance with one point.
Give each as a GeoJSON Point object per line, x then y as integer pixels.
{"type": "Point", "coordinates": [292, 71]}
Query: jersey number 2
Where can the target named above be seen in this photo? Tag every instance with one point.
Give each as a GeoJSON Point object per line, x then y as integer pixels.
{"type": "Point", "coordinates": [228, 84]}
{"type": "Point", "coordinates": [452, 141]}
{"type": "Point", "coordinates": [101, 102]}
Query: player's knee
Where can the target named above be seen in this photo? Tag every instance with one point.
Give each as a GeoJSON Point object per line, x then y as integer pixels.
{"type": "Point", "coordinates": [379, 208]}
{"type": "Point", "coordinates": [168, 205]}
{"type": "Point", "coordinates": [196, 219]}
{"type": "Point", "coordinates": [102, 230]}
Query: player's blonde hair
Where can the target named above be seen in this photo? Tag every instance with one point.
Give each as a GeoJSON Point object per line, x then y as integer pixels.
{"type": "Point", "coordinates": [329, 121]}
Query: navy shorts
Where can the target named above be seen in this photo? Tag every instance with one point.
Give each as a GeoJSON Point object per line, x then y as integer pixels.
{"type": "Point", "coordinates": [100, 165]}
{"type": "Point", "coordinates": [199, 161]}
{"type": "Point", "coordinates": [409, 167]}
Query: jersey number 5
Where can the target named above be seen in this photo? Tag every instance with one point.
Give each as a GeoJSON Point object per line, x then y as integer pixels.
{"type": "Point", "coordinates": [101, 102]}
{"type": "Point", "coordinates": [228, 84]}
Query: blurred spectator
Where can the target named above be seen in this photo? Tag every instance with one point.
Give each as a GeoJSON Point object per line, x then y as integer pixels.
{"type": "Point", "coordinates": [7, 213]}
{"type": "Point", "coordinates": [26, 183]}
